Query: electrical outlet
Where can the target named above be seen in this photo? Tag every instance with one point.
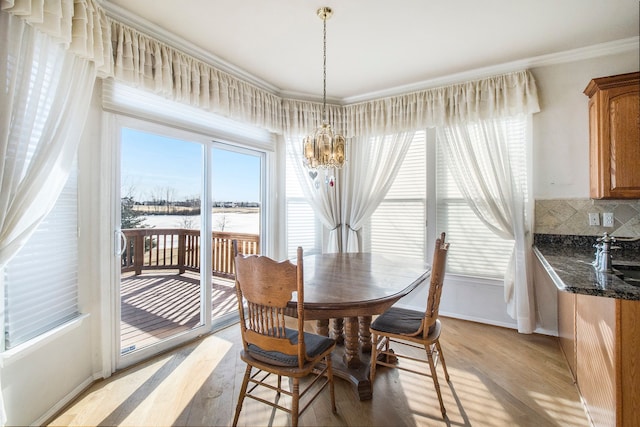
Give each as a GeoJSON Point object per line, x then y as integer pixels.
{"type": "Point", "coordinates": [594, 218]}
{"type": "Point", "coordinates": [607, 219]}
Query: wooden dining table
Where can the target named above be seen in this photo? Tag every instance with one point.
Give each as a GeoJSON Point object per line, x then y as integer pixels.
{"type": "Point", "coordinates": [342, 291]}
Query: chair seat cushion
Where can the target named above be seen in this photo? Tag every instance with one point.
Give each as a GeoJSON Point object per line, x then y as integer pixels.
{"type": "Point", "coordinates": [399, 321]}
{"type": "Point", "coordinates": [315, 345]}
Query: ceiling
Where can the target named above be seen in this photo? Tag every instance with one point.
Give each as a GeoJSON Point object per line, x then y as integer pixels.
{"type": "Point", "coordinates": [374, 46]}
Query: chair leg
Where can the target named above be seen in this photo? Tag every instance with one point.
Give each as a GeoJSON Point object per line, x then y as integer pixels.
{"type": "Point", "coordinates": [295, 401]}
{"type": "Point", "coordinates": [279, 385]}
{"type": "Point", "coordinates": [332, 393]}
{"type": "Point", "coordinates": [387, 343]}
{"type": "Point", "coordinates": [434, 376]}
{"type": "Point", "coordinates": [243, 391]}
{"type": "Point", "coordinates": [374, 357]}
{"type": "Point", "coordinates": [444, 365]}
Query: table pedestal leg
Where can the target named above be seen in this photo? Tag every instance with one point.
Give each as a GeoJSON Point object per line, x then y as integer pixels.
{"type": "Point", "coordinates": [349, 362]}
{"type": "Point", "coordinates": [322, 327]}
{"type": "Point", "coordinates": [338, 330]}
{"type": "Point", "coordinates": [365, 334]}
{"type": "Point", "coordinates": [351, 344]}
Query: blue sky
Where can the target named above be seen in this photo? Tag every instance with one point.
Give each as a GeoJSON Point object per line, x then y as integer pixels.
{"type": "Point", "coordinates": [153, 165]}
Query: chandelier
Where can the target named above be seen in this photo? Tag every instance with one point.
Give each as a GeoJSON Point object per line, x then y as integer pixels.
{"type": "Point", "coordinates": [324, 149]}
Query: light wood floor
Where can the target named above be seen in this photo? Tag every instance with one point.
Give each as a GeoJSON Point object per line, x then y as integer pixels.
{"type": "Point", "coordinates": [498, 378]}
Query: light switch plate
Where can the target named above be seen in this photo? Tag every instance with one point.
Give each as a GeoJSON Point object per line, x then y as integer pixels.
{"type": "Point", "coordinates": [594, 218]}
{"type": "Point", "coordinates": [607, 219]}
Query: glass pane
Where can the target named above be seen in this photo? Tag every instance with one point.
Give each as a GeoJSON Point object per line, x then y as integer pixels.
{"type": "Point", "coordinates": [160, 286]}
{"type": "Point", "coordinates": [236, 215]}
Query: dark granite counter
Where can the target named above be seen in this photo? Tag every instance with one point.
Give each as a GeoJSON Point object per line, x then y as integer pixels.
{"type": "Point", "coordinates": [568, 259]}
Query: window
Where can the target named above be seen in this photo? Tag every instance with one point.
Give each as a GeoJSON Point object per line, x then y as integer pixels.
{"type": "Point", "coordinates": [399, 223]}
{"type": "Point", "coordinates": [478, 251]}
{"type": "Point", "coordinates": [302, 226]}
{"type": "Point", "coordinates": [41, 290]}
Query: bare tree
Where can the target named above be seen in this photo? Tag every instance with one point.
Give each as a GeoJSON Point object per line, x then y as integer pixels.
{"type": "Point", "coordinates": [155, 197]}
{"type": "Point", "coordinates": [170, 194]}
{"type": "Point", "coordinates": [187, 222]}
{"type": "Point", "coordinates": [222, 222]}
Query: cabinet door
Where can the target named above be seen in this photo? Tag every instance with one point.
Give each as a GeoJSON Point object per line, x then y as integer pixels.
{"type": "Point", "coordinates": [628, 359]}
{"type": "Point", "coordinates": [614, 133]}
{"type": "Point", "coordinates": [596, 357]}
{"type": "Point", "coordinates": [623, 123]}
{"type": "Point", "coordinates": [567, 328]}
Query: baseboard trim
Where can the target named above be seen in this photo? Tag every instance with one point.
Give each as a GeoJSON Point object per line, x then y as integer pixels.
{"type": "Point", "coordinates": [66, 400]}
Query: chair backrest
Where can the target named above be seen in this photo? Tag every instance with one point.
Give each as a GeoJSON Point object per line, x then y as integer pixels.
{"type": "Point", "coordinates": [435, 288]}
{"type": "Point", "coordinates": [264, 287]}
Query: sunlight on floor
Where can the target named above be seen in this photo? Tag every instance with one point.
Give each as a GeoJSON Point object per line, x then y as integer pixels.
{"type": "Point", "coordinates": [570, 412]}
{"type": "Point", "coordinates": [480, 402]}
{"type": "Point", "coordinates": [158, 387]}
{"type": "Point", "coordinates": [173, 394]}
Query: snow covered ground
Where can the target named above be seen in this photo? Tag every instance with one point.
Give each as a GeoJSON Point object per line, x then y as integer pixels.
{"type": "Point", "coordinates": [238, 222]}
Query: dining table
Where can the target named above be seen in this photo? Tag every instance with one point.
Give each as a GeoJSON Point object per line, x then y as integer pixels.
{"type": "Point", "coordinates": [342, 293]}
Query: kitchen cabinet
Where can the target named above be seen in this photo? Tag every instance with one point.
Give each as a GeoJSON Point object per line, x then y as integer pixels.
{"type": "Point", "coordinates": [567, 328]}
{"type": "Point", "coordinates": [607, 339]}
{"type": "Point", "coordinates": [614, 136]}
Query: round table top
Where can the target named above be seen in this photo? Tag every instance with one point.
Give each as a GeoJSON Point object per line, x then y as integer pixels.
{"type": "Point", "coordinates": [358, 284]}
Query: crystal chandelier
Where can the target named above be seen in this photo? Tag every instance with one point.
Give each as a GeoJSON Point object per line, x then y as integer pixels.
{"type": "Point", "coordinates": [324, 149]}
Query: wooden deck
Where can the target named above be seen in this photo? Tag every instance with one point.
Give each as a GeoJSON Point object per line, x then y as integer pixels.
{"type": "Point", "coordinates": [159, 304]}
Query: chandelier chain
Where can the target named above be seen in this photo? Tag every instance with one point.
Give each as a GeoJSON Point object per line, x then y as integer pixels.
{"type": "Point", "coordinates": [324, 148]}
{"type": "Point", "coordinates": [324, 71]}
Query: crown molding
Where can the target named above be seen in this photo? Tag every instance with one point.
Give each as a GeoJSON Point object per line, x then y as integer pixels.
{"type": "Point", "coordinates": [164, 36]}
{"type": "Point", "coordinates": [589, 52]}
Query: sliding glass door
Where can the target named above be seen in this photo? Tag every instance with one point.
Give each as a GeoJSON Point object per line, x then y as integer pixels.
{"type": "Point", "coordinates": [162, 286]}
{"type": "Point", "coordinates": [182, 199]}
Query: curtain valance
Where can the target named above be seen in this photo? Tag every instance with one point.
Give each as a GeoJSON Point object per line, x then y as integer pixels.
{"type": "Point", "coordinates": [498, 96]}
{"type": "Point", "coordinates": [152, 65]}
{"type": "Point", "coordinates": [302, 117]}
{"type": "Point", "coordinates": [139, 60]}
{"type": "Point", "coordinates": [81, 25]}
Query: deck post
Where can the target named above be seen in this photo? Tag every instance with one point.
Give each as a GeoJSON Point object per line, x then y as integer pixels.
{"type": "Point", "coordinates": [182, 249]}
{"type": "Point", "coordinates": [138, 253]}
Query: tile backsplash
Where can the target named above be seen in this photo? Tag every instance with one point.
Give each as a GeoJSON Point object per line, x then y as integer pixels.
{"type": "Point", "coordinates": [571, 216]}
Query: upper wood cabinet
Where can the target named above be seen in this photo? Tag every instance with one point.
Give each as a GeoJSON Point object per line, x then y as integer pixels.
{"type": "Point", "coordinates": [614, 133]}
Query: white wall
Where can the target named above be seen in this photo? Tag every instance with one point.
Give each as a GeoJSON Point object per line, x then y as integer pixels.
{"type": "Point", "coordinates": [36, 384]}
{"type": "Point", "coordinates": [561, 129]}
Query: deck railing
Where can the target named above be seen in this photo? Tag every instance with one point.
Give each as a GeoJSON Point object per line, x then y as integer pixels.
{"type": "Point", "coordinates": [179, 248]}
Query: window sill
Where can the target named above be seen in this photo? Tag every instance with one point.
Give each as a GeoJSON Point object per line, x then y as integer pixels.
{"type": "Point", "coordinates": [25, 349]}
{"type": "Point", "coordinates": [468, 279]}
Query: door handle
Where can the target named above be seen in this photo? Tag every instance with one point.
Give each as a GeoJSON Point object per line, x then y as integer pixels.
{"type": "Point", "coordinates": [120, 242]}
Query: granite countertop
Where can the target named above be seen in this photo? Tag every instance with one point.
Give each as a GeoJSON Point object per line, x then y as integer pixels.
{"type": "Point", "coordinates": [568, 259]}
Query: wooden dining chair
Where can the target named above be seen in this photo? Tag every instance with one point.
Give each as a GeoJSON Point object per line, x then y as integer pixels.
{"type": "Point", "coordinates": [264, 287]}
{"type": "Point", "coordinates": [414, 329]}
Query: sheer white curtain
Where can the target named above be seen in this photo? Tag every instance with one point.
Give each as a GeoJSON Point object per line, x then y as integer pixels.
{"type": "Point", "coordinates": [357, 190]}
{"type": "Point", "coordinates": [373, 163]}
{"type": "Point", "coordinates": [48, 90]}
{"type": "Point", "coordinates": [497, 194]}
{"type": "Point", "coordinates": [41, 131]}
{"type": "Point", "coordinates": [323, 197]}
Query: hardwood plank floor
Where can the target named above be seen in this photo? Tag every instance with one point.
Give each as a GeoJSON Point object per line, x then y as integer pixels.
{"type": "Point", "coordinates": [498, 378]}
